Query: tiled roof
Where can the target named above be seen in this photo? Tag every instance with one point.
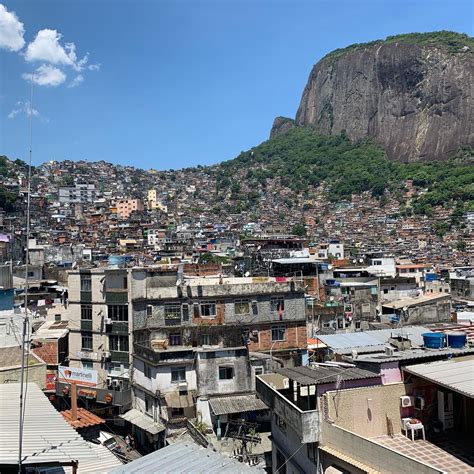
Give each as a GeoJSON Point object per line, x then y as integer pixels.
{"type": "Point", "coordinates": [48, 351]}
{"type": "Point", "coordinates": [84, 418]}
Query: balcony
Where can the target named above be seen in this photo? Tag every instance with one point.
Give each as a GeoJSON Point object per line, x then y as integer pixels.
{"type": "Point", "coordinates": [86, 325]}
{"type": "Point", "coordinates": [304, 422]}
{"type": "Point", "coordinates": [164, 357]}
{"type": "Point", "coordinates": [116, 296]}
{"type": "Point", "coordinates": [118, 327]}
{"type": "Point", "coordinates": [120, 357]}
{"type": "Point", "coordinates": [86, 296]}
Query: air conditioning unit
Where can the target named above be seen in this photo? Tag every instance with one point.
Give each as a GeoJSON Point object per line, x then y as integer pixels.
{"type": "Point", "coordinates": [406, 401]}
{"type": "Point", "coordinates": [107, 321]}
{"type": "Point", "coordinates": [419, 403]}
{"type": "Point", "coordinates": [182, 386]}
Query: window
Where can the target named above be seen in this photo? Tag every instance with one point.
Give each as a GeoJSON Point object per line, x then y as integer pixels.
{"type": "Point", "coordinates": [149, 405]}
{"type": "Point", "coordinates": [385, 291]}
{"type": "Point", "coordinates": [357, 324]}
{"type": "Point", "coordinates": [173, 311]}
{"type": "Point", "coordinates": [340, 323]}
{"type": "Point", "coordinates": [86, 341]}
{"type": "Point", "coordinates": [118, 343]}
{"type": "Point", "coordinates": [86, 312]}
{"type": "Point", "coordinates": [258, 370]}
{"type": "Point", "coordinates": [280, 422]}
{"type": "Point", "coordinates": [57, 317]}
{"type": "Point", "coordinates": [147, 371]}
{"type": "Point", "coordinates": [278, 333]}
{"type": "Point", "coordinates": [178, 374]}
{"type": "Point", "coordinates": [176, 412]}
{"type": "Point", "coordinates": [365, 308]}
{"type": "Point", "coordinates": [226, 373]}
{"type": "Point", "coordinates": [185, 312]}
{"type": "Point", "coordinates": [277, 305]}
{"type": "Point", "coordinates": [208, 309]}
{"type": "Point", "coordinates": [31, 274]}
{"type": "Point", "coordinates": [125, 283]}
{"type": "Point", "coordinates": [242, 307]}
{"type": "Point", "coordinates": [149, 310]}
{"type": "Point", "coordinates": [313, 451]}
{"type": "Point", "coordinates": [175, 339]}
{"type": "Point", "coordinates": [87, 364]}
{"type": "Point", "coordinates": [205, 340]}
{"type": "Point", "coordinates": [117, 312]}
{"type": "Point", "coordinates": [86, 283]}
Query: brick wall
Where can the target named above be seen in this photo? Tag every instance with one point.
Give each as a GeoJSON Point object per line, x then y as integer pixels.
{"type": "Point", "coordinates": [295, 337]}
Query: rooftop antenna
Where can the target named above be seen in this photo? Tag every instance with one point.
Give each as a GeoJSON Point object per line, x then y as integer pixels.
{"type": "Point", "coordinates": [26, 322]}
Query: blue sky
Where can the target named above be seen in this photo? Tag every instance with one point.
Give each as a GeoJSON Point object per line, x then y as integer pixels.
{"type": "Point", "coordinates": [171, 84]}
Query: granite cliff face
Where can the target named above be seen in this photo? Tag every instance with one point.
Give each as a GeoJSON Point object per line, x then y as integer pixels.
{"type": "Point", "coordinates": [412, 98]}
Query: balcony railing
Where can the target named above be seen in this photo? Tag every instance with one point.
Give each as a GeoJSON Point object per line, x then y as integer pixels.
{"type": "Point", "coordinates": [116, 296]}
{"type": "Point", "coordinates": [86, 325]}
{"type": "Point", "coordinates": [304, 423]}
{"type": "Point", "coordinates": [119, 327]}
{"type": "Point", "coordinates": [117, 356]}
{"type": "Point", "coordinates": [86, 296]}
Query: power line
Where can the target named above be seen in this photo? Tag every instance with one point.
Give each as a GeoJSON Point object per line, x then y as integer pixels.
{"type": "Point", "coordinates": [26, 322]}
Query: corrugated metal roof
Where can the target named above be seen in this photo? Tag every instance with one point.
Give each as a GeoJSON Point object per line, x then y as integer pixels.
{"type": "Point", "coordinates": [185, 457]}
{"type": "Point", "coordinates": [409, 301]}
{"type": "Point", "coordinates": [371, 338]}
{"type": "Point", "coordinates": [325, 374]}
{"type": "Point", "coordinates": [456, 374]}
{"type": "Point", "coordinates": [137, 418]}
{"type": "Point", "coordinates": [106, 461]}
{"type": "Point", "coordinates": [236, 404]}
{"type": "Point", "coordinates": [411, 354]}
{"type": "Point", "coordinates": [47, 436]}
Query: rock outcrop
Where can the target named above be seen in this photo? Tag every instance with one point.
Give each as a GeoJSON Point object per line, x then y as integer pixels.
{"type": "Point", "coordinates": [413, 97]}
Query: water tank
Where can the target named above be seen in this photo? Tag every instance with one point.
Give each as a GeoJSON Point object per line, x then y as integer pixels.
{"type": "Point", "coordinates": [456, 340]}
{"type": "Point", "coordinates": [433, 340]}
{"type": "Point", "coordinates": [116, 261]}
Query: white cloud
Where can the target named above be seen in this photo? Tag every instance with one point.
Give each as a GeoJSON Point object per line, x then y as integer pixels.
{"type": "Point", "coordinates": [46, 48]}
{"type": "Point", "coordinates": [94, 67]}
{"type": "Point", "coordinates": [11, 30]}
{"type": "Point", "coordinates": [23, 108]}
{"type": "Point", "coordinates": [46, 75]}
{"type": "Point", "coordinates": [79, 79]}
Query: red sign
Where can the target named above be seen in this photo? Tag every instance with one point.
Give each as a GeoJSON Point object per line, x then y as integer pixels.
{"type": "Point", "coordinates": [50, 382]}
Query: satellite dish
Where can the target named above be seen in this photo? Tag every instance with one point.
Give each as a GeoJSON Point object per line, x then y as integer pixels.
{"type": "Point", "coordinates": [74, 265]}
{"type": "Point", "coordinates": [331, 298]}
{"type": "Point", "coordinates": [361, 260]}
{"type": "Point", "coordinates": [405, 308]}
{"type": "Point", "coordinates": [329, 267]}
{"type": "Point", "coordinates": [354, 261]}
{"type": "Point", "coordinates": [178, 282]}
{"type": "Point", "coordinates": [247, 274]}
{"type": "Point", "coordinates": [259, 247]}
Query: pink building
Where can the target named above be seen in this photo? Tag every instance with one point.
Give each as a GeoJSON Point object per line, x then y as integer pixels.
{"type": "Point", "coordinates": [126, 206]}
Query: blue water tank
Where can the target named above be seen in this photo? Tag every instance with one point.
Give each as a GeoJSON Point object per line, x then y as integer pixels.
{"type": "Point", "coordinates": [433, 340]}
{"type": "Point", "coordinates": [116, 260]}
{"type": "Point", "coordinates": [456, 340]}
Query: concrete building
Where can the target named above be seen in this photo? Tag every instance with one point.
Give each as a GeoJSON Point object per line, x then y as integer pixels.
{"type": "Point", "coordinates": [194, 339]}
{"type": "Point", "coordinates": [79, 193]}
{"type": "Point", "coordinates": [99, 325]}
{"type": "Point", "coordinates": [125, 207]}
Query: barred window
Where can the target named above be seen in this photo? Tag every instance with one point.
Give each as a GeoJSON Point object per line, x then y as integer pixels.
{"type": "Point", "coordinates": [208, 309]}
{"type": "Point", "coordinates": [86, 282]}
{"type": "Point", "coordinates": [117, 312]}
{"type": "Point", "coordinates": [242, 307]}
{"type": "Point", "coordinates": [86, 312]}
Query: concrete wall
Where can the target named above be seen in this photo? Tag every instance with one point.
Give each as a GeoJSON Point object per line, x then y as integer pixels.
{"type": "Point", "coordinates": [371, 454]}
{"type": "Point", "coordinates": [432, 312]}
{"type": "Point", "coordinates": [370, 417]}
{"type": "Point", "coordinates": [36, 374]}
{"type": "Point", "coordinates": [208, 364]}
{"type": "Point", "coordinates": [161, 377]}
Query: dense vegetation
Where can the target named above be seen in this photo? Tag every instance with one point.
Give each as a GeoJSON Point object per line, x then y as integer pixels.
{"type": "Point", "coordinates": [449, 40]}
{"type": "Point", "coordinates": [300, 159]}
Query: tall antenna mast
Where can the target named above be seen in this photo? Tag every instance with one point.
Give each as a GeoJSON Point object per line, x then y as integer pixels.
{"type": "Point", "coordinates": [26, 322]}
